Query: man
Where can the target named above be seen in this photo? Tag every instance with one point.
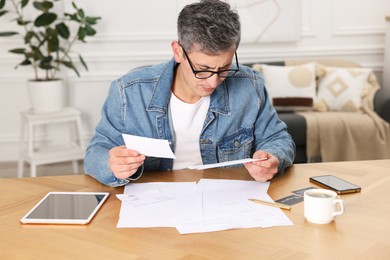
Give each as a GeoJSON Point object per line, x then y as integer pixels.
{"type": "Point", "coordinates": [203, 102]}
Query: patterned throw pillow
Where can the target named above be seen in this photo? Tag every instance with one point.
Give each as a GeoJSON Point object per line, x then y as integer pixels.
{"type": "Point", "coordinates": [342, 89]}
{"type": "Point", "coordinates": [289, 81]}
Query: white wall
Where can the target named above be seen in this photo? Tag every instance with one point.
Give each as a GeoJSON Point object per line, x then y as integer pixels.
{"type": "Point", "coordinates": [135, 33]}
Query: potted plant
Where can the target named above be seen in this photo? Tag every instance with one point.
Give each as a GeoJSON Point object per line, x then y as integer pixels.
{"type": "Point", "coordinates": [48, 40]}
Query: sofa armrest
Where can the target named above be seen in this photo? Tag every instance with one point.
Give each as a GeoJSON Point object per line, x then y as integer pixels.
{"type": "Point", "coordinates": [382, 104]}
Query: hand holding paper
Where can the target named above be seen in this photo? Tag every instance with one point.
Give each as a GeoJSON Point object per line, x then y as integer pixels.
{"type": "Point", "coordinates": [149, 146]}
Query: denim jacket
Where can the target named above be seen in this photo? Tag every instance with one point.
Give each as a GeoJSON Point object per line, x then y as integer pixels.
{"type": "Point", "coordinates": [239, 121]}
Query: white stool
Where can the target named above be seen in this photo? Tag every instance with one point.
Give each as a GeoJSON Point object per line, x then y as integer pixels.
{"type": "Point", "coordinates": [46, 155]}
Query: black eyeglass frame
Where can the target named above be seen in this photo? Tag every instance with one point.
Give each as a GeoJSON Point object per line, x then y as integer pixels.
{"type": "Point", "coordinates": [230, 72]}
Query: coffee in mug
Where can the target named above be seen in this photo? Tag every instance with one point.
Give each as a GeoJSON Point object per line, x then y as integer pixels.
{"type": "Point", "coordinates": [315, 195]}
{"type": "Point", "coordinates": [322, 205]}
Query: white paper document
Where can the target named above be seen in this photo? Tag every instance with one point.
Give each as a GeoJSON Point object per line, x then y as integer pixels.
{"type": "Point", "coordinates": [149, 146]}
{"type": "Point", "coordinates": [226, 207]}
{"type": "Point", "coordinates": [145, 198]}
{"type": "Point", "coordinates": [234, 214]}
{"type": "Point", "coordinates": [155, 204]}
{"type": "Point", "coordinates": [226, 204]}
{"type": "Point", "coordinates": [206, 206]}
{"type": "Point", "coordinates": [249, 187]}
{"type": "Point", "coordinates": [222, 164]}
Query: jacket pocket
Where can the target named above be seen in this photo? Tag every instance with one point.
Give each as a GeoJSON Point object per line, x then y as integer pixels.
{"type": "Point", "coordinates": [236, 146]}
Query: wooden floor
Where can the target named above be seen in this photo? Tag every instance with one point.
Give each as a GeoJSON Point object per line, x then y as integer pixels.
{"type": "Point", "coordinates": [10, 169]}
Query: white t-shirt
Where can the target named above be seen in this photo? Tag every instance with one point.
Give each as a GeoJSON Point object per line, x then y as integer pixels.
{"type": "Point", "coordinates": [188, 120]}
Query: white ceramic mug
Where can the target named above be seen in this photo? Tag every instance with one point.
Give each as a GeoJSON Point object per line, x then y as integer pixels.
{"type": "Point", "coordinates": [321, 206]}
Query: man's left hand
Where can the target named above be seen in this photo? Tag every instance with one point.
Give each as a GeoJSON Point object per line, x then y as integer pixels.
{"type": "Point", "coordinates": [263, 170]}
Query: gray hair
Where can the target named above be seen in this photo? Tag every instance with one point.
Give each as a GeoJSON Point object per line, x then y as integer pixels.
{"type": "Point", "coordinates": [210, 24]}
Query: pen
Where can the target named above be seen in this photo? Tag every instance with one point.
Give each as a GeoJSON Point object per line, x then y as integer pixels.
{"type": "Point", "coordinates": [273, 204]}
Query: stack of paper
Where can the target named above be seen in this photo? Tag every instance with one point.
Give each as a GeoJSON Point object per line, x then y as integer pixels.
{"type": "Point", "coordinates": [210, 205]}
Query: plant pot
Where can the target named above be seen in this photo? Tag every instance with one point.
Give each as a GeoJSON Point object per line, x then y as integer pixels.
{"type": "Point", "coordinates": [46, 96]}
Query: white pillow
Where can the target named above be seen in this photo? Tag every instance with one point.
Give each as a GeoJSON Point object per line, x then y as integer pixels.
{"type": "Point", "coordinates": [342, 89]}
{"type": "Point", "coordinates": [289, 81]}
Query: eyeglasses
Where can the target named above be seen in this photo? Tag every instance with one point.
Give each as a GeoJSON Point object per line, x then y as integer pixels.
{"type": "Point", "coordinates": [205, 74]}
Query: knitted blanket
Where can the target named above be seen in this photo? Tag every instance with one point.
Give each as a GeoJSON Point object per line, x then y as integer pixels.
{"type": "Point", "coordinates": [348, 136]}
{"type": "Point", "coordinates": [345, 136]}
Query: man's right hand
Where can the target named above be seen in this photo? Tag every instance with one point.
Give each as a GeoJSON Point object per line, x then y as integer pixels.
{"type": "Point", "coordinates": [124, 162]}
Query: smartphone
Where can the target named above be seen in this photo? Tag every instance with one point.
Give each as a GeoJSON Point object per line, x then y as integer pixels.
{"type": "Point", "coordinates": [335, 183]}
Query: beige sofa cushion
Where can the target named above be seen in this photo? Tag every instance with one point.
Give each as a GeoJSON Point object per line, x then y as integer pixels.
{"type": "Point", "coordinates": [342, 89]}
{"type": "Point", "coordinates": [289, 82]}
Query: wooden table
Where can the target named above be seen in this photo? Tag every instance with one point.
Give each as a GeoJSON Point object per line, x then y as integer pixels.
{"type": "Point", "coordinates": [362, 232]}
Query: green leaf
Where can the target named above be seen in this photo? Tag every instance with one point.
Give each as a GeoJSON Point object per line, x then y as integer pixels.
{"type": "Point", "coordinates": [80, 12]}
{"type": "Point", "coordinates": [63, 30]}
{"type": "Point", "coordinates": [22, 22]}
{"type": "Point", "coordinates": [72, 17]}
{"type": "Point", "coordinates": [83, 62]}
{"type": "Point", "coordinates": [74, 5]}
{"type": "Point", "coordinates": [36, 53]}
{"type": "Point", "coordinates": [24, 3]}
{"type": "Point", "coordinates": [47, 59]}
{"type": "Point", "coordinates": [38, 5]}
{"type": "Point", "coordinates": [82, 33]}
{"type": "Point", "coordinates": [45, 19]}
{"type": "Point", "coordinates": [45, 66]}
{"type": "Point", "coordinates": [43, 6]}
{"type": "Point", "coordinates": [3, 12]}
{"type": "Point", "coordinates": [51, 32]}
{"type": "Point", "coordinates": [92, 20]}
{"type": "Point", "coordinates": [89, 30]}
{"type": "Point", "coordinates": [29, 35]}
{"type": "Point", "coordinates": [70, 65]}
{"type": "Point", "coordinates": [76, 71]}
{"type": "Point", "coordinates": [18, 50]}
{"type": "Point", "coordinates": [4, 34]}
{"type": "Point", "coordinates": [53, 42]}
{"type": "Point", "coordinates": [2, 4]}
{"type": "Point", "coordinates": [46, 63]}
{"type": "Point", "coordinates": [25, 62]}
{"type": "Point", "coordinates": [47, 5]}
{"type": "Point", "coordinates": [28, 55]}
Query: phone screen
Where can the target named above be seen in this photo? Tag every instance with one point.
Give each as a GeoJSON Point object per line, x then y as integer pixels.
{"type": "Point", "coordinates": [335, 183]}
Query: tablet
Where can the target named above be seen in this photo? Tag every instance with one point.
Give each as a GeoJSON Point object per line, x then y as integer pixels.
{"type": "Point", "coordinates": [66, 208]}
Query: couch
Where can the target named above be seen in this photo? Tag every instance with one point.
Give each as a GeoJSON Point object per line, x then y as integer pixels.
{"type": "Point", "coordinates": [296, 119]}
